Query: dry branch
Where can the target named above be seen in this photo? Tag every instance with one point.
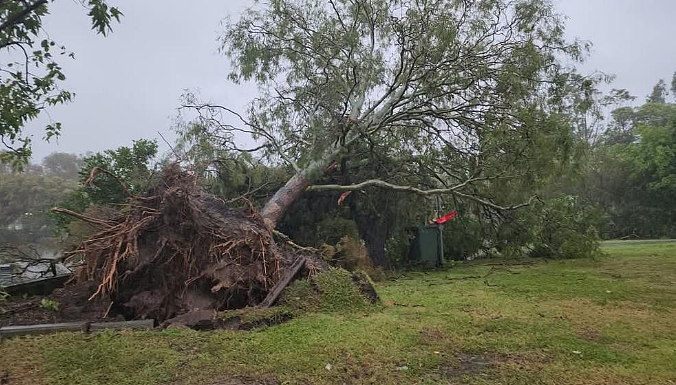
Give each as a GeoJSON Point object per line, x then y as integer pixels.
{"type": "Point", "coordinates": [94, 221]}
{"type": "Point", "coordinates": [98, 170]}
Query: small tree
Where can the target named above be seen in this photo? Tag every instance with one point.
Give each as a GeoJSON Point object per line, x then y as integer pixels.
{"type": "Point", "coordinates": [659, 93]}
{"type": "Point", "coordinates": [126, 170]}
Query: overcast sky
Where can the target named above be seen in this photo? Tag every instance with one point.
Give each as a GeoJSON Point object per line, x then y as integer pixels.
{"type": "Point", "coordinates": [128, 84]}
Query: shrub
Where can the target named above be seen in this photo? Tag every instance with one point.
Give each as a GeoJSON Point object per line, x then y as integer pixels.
{"type": "Point", "coordinates": [49, 304]}
{"type": "Point", "coordinates": [564, 229]}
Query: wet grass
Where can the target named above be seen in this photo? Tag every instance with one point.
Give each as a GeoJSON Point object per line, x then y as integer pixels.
{"type": "Point", "coordinates": [611, 320]}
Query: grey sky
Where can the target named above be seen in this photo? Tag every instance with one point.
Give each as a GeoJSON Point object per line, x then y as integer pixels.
{"type": "Point", "coordinates": [128, 84]}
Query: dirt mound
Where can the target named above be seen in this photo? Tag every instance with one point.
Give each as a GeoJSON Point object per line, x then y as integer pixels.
{"type": "Point", "coordinates": [178, 249]}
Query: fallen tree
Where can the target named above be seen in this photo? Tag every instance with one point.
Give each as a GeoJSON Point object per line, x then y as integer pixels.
{"type": "Point", "coordinates": [469, 99]}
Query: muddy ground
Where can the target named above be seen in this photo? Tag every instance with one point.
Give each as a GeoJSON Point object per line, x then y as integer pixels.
{"type": "Point", "coordinates": [68, 304]}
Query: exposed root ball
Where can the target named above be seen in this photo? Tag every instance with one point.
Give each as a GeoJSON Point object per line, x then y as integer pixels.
{"type": "Point", "coordinates": [178, 249]}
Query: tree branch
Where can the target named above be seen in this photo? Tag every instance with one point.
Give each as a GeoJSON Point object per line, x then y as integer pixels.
{"type": "Point", "coordinates": [440, 191]}
{"type": "Point", "coordinates": [94, 221]}
{"type": "Point", "coordinates": [14, 19]}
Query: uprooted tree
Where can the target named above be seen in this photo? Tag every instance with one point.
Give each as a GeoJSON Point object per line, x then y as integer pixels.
{"type": "Point", "coordinates": [462, 98]}
{"type": "Point", "coordinates": [468, 98]}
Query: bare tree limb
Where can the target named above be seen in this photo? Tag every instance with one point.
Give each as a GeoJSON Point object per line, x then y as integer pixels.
{"type": "Point", "coordinates": [440, 191]}
{"type": "Point", "coordinates": [94, 221]}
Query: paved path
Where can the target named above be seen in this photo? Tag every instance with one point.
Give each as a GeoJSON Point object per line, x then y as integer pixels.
{"type": "Point", "coordinates": [616, 243]}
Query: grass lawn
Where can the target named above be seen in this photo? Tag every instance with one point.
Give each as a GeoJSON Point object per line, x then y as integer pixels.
{"type": "Point", "coordinates": [610, 320]}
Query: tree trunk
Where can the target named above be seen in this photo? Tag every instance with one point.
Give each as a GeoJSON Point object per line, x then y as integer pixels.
{"type": "Point", "coordinates": [373, 229]}
{"type": "Point", "coordinates": [276, 207]}
{"type": "Point", "coordinates": [375, 238]}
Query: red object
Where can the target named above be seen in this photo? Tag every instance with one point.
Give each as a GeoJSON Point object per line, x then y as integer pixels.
{"type": "Point", "coordinates": [342, 197]}
{"type": "Point", "coordinates": [445, 218]}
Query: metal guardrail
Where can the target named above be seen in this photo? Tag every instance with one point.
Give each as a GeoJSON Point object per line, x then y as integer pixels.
{"type": "Point", "coordinates": [16, 331]}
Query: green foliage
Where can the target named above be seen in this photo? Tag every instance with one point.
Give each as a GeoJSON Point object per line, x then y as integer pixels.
{"type": "Point", "coordinates": [659, 93]}
{"type": "Point", "coordinates": [25, 201]}
{"type": "Point", "coordinates": [465, 236]}
{"type": "Point", "coordinates": [397, 248]}
{"type": "Point", "coordinates": [332, 230]}
{"type": "Point", "coordinates": [49, 304]}
{"type": "Point", "coordinates": [652, 159]}
{"type": "Point", "coordinates": [131, 167]}
{"type": "Point", "coordinates": [631, 176]}
{"type": "Point", "coordinates": [25, 93]}
{"type": "Point", "coordinates": [556, 226]}
{"type": "Point", "coordinates": [351, 254]}
{"type": "Point", "coordinates": [316, 220]}
{"type": "Point", "coordinates": [565, 229]}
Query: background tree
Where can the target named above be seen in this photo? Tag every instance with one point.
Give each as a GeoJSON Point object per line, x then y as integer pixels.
{"type": "Point", "coordinates": [29, 72]}
{"type": "Point", "coordinates": [62, 165]}
{"type": "Point", "coordinates": [25, 200]}
{"type": "Point", "coordinates": [131, 167]}
{"type": "Point", "coordinates": [659, 93]}
{"type": "Point", "coordinates": [641, 203]}
{"type": "Point", "coordinates": [628, 176]}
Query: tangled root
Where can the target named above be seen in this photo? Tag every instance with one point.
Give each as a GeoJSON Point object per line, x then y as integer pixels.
{"type": "Point", "coordinates": [177, 249]}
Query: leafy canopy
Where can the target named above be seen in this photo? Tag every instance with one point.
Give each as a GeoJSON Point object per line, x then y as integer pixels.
{"type": "Point", "coordinates": [458, 94]}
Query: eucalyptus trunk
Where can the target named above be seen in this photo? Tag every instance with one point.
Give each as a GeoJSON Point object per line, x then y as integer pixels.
{"type": "Point", "coordinates": [276, 207]}
{"type": "Point", "coordinates": [279, 204]}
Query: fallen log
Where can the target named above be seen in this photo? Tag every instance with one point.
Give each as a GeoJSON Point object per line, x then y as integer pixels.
{"type": "Point", "coordinates": [283, 283]}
